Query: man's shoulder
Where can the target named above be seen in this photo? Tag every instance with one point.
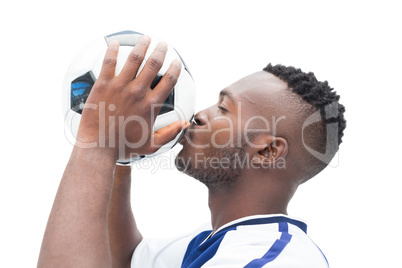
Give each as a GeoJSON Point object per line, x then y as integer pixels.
{"type": "Point", "coordinates": [256, 241]}
{"type": "Point", "coordinates": [287, 246]}
{"type": "Point", "coordinates": [277, 240]}
{"type": "Point", "coordinates": [164, 252]}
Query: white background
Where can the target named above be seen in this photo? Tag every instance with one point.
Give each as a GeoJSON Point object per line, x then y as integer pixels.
{"type": "Point", "coordinates": [352, 208]}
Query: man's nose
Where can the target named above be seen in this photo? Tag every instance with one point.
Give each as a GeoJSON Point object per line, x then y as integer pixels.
{"type": "Point", "coordinates": [201, 118]}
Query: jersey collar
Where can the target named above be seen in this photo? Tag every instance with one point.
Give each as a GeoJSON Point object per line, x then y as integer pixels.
{"type": "Point", "coordinates": [262, 219]}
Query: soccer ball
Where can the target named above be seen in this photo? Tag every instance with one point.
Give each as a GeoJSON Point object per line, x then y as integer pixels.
{"type": "Point", "coordinates": [85, 69]}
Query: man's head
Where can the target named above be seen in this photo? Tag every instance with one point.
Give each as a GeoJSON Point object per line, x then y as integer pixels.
{"type": "Point", "coordinates": [279, 122]}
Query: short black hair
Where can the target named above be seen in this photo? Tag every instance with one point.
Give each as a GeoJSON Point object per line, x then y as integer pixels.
{"type": "Point", "coordinates": [318, 94]}
{"type": "Point", "coordinates": [323, 99]}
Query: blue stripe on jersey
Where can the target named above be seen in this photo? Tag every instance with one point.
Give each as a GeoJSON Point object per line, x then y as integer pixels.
{"type": "Point", "coordinates": [278, 219]}
{"type": "Point", "coordinates": [198, 254]}
{"type": "Point", "coordinates": [275, 249]}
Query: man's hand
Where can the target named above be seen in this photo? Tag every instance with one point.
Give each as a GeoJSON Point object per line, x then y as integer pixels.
{"type": "Point", "coordinates": [121, 110]}
{"type": "Point", "coordinates": [117, 121]}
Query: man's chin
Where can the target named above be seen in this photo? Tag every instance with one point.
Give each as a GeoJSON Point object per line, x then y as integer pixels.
{"type": "Point", "coordinates": [180, 161]}
{"type": "Point", "coordinates": [185, 150]}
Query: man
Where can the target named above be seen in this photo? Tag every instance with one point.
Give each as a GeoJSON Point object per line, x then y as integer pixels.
{"type": "Point", "coordinates": [268, 133]}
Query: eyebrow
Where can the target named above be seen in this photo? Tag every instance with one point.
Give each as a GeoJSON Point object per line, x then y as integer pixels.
{"type": "Point", "coordinates": [224, 92]}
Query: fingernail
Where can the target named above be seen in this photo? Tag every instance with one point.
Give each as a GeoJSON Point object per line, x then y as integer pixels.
{"type": "Point", "coordinates": [145, 39]}
{"type": "Point", "coordinates": [114, 44]}
{"type": "Point", "coordinates": [162, 46]}
{"type": "Point", "coordinates": [176, 62]}
{"type": "Point", "coordinates": [186, 125]}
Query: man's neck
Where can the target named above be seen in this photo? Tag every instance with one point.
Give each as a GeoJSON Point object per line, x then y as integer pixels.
{"type": "Point", "coordinates": [239, 201]}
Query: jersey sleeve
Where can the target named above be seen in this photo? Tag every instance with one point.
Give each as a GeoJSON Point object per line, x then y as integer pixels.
{"type": "Point", "coordinates": [252, 247]}
{"type": "Point", "coordinates": [163, 253]}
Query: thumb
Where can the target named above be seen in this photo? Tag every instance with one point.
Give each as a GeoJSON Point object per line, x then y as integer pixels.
{"type": "Point", "coordinates": [168, 133]}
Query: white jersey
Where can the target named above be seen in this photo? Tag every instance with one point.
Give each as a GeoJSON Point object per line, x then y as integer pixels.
{"type": "Point", "coordinates": [275, 241]}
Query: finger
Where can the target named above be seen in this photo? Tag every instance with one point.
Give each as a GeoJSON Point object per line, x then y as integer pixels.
{"type": "Point", "coordinates": [110, 60]}
{"type": "Point", "coordinates": [135, 59]}
{"type": "Point", "coordinates": [153, 65]}
{"type": "Point", "coordinates": [167, 83]}
{"type": "Point", "coordinates": [168, 133]}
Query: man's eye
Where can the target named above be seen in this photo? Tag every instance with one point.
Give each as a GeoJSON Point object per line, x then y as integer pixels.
{"type": "Point", "coordinates": [222, 108]}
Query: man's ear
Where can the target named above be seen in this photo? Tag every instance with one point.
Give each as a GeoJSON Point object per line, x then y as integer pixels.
{"type": "Point", "coordinates": [268, 149]}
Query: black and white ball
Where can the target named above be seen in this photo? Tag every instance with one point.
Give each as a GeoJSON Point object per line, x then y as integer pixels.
{"type": "Point", "coordinates": [85, 69]}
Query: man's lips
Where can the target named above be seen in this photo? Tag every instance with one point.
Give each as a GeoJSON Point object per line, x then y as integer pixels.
{"type": "Point", "coordinates": [184, 136]}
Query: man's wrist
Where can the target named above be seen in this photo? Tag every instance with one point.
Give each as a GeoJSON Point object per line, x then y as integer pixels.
{"type": "Point", "coordinates": [122, 169]}
{"type": "Point", "coordinates": [105, 156]}
{"type": "Point", "coordinates": [122, 174]}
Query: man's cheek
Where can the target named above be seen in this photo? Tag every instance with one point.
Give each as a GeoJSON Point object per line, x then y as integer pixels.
{"type": "Point", "coordinates": [223, 138]}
